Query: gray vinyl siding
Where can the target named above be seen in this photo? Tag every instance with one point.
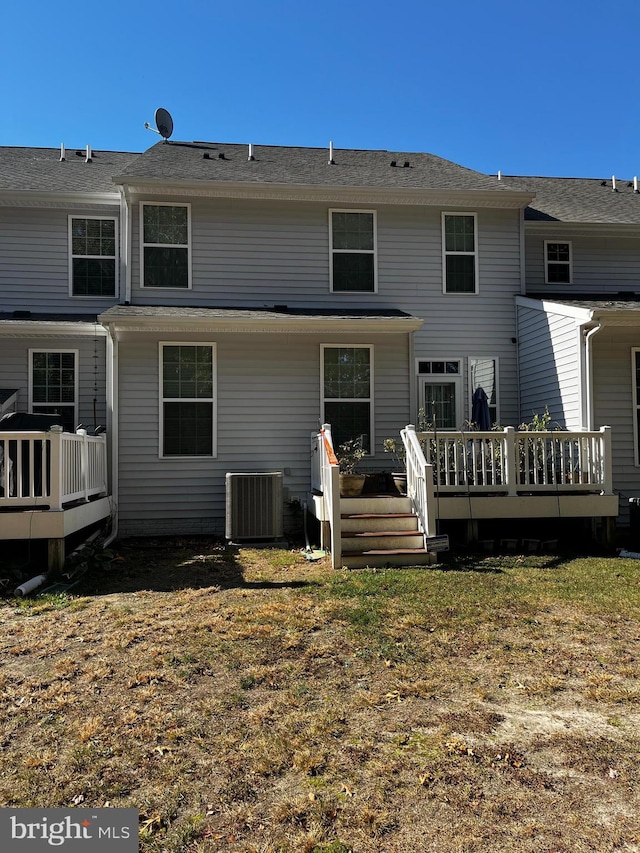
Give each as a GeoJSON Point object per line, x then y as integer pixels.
{"type": "Point", "coordinates": [549, 366]}
{"type": "Point", "coordinates": [268, 404]}
{"type": "Point", "coordinates": [476, 325]}
{"type": "Point", "coordinates": [14, 371]}
{"type": "Point", "coordinates": [613, 405]}
{"type": "Point", "coordinates": [34, 261]}
{"type": "Point", "coordinates": [601, 264]}
{"type": "Point", "coordinates": [252, 253]}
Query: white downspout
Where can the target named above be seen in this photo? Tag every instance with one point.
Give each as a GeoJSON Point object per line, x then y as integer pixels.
{"type": "Point", "coordinates": [129, 227]}
{"type": "Point", "coordinates": [523, 271]}
{"type": "Point", "coordinates": [588, 378]}
{"type": "Point", "coordinates": [112, 426]}
{"type": "Point", "coordinates": [124, 247]}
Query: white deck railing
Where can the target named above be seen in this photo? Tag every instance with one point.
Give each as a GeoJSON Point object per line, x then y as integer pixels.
{"type": "Point", "coordinates": [419, 481]}
{"type": "Point", "coordinates": [51, 468]}
{"type": "Point", "coordinates": [512, 462]}
{"type": "Point", "coordinates": [326, 479]}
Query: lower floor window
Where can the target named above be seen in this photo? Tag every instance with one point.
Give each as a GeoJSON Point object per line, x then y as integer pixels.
{"type": "Point", "coordinates": [187, 404]}
{"type": "Point", "coordinates": [53, 385]}
{"type": "Point", "coordinates": [347, 393]}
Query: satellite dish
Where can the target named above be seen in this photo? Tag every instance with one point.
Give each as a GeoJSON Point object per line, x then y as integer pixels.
{"type": "Point", "coordinates": [164, 123]}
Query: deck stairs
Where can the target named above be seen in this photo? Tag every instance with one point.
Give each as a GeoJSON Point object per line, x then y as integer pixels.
{"type": "Point", "coordinates": [381, 532]}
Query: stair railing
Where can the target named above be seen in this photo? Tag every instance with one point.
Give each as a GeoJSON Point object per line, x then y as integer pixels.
{"type": "Point", "coordinates": [419, 482]}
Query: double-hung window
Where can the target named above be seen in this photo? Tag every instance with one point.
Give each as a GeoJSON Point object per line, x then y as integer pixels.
{"type": "Point", "coordinates": [352, 241]}
{"type": "Point", "coordinates": [460, 252]}
{"type": "Point", "coordinates": [347, 392]}
{"type": "Point", "coordinates": [187, 399]}
{"type": "Point", "coordinates": [53, 384]}
{"type": "Point", "coordinates": [166, 252]}
{"type": "Point", "coordinates": [93, 255]}
{"type": "Point", "coordinates": [557, 262]}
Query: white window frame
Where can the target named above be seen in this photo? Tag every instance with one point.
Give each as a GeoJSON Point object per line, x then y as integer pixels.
{"type": "Point", "coordinates": [76, 370]}
{"type": "Point", "coordinates": [446, 253]}
{"type": "Point", "coordinates": [213, 400]}
{"type": "Point", "coordinates": [144, 245]}
{"type": "Point", "coordinates": [568, 263]}
{"type": "Point", "coordinates": [370, 399]}
{"type": "Point", "coordinates": [496, 369]}
{"type": "Point", "coordinates": [635, 356]}
{"type": "Point", "coordinates": [373, 251]}
{"type": "Point", "coordinates": [457, 379]}
{"type": "Point", "coordinates": [115, 257]}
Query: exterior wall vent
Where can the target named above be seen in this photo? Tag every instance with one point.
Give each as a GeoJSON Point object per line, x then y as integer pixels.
{"type": "Point", "coordinates": [254, 508]}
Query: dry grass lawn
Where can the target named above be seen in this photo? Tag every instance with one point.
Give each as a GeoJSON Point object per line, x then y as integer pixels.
{"type": "Point", "coordinates": [253, 702]}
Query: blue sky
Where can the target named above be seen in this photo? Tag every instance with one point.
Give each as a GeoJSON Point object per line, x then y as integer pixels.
{"type": "Point", "coordinates": [546, 88]}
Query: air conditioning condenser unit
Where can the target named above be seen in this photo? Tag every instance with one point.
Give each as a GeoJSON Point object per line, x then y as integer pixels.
{"type": "Point", "coordinates": [254, 508]}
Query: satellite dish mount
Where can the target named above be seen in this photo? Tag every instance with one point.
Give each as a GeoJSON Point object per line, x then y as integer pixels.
{"type": "Point", "coordinates": [164, 123]}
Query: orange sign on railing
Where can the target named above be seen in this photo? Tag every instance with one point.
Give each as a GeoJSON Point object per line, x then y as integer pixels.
{"type": "Point", "coordinates": [331, 456]}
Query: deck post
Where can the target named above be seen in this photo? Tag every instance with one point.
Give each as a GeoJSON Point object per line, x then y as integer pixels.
{"type": "Point", "coordinates": [57, 487]}
{"type": "Point", "coordinates": [55, 555]}
{"type": "Point", "coordinates": [607, 458]}
{"type": "Point", "coordinates": [609, 531]}
{"type": "Point", "coordinates": [471, 531]}
{"type": "Point", "coordinates": [84, 463]}
{"type": "Point", "coordinates": [511, 461]}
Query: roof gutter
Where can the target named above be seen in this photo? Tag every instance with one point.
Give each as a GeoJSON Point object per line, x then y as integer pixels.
{"type": "Point", "coordinates": [8, 197]}
{"type": "Point", "coordinates": [320, 192]}
{"type": "Point", "coordinates": [291, 325]}
{"type": "Point", "coordinates": [46, 329]}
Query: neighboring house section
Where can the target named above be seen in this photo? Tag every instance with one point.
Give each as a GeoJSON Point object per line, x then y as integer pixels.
{"type": "Point", "coordinates": [56, 365]}
{"type": "Point", "coordinates": [60, 265]}
{"type": "Point", "coordinates": [579, 330]}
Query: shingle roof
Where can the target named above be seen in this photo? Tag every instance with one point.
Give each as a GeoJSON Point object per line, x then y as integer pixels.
{"type": "Point", "coordinates": [278, 312]}
{"type": "Point", "coordinates": [631, 303]}
{"type": "Point", "coordinates": [213, 161]}
{"type": "Point", "coordinates": [579, 200]}
{"type": "Point", "coordinates": [40, 170]}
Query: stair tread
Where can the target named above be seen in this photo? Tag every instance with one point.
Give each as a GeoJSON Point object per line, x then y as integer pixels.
{"type": "Point", "coordinates": [376, 551]}
{"type": "Point", "coordinates": [379, 515]}
{"type": "Point", "coordinates": [346, 534]}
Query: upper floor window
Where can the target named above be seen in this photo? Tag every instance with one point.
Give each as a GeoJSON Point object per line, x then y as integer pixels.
{"type": "Point", "coordinates": [557, 262]}
{"type": "Point", "coordinates": [352, 240]}
{"type": "Point", "coordinates": [166, 253]}
{"type": "Point", "coordinates": [92, 256]}
{"type": "Point", "coordinates": [53, 384]}
{"type": "Point", "coordinates": [460, 253]}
